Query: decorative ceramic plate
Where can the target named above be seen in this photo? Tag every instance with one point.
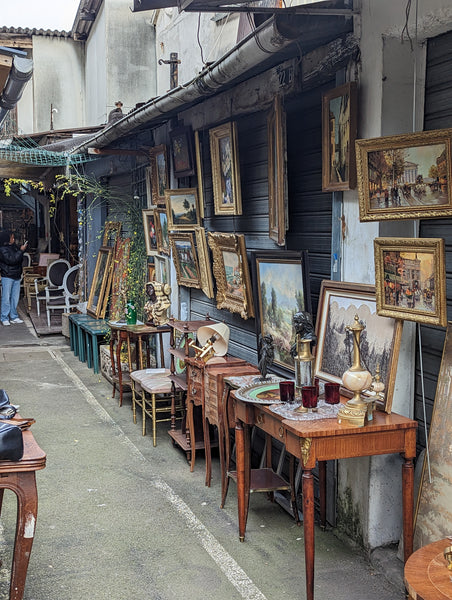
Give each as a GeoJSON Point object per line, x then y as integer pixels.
{"type": "Point", "coordinates": [260, 393]}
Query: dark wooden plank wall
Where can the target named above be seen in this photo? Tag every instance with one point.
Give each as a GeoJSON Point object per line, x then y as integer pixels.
{"type": "Point", "coordinates": [437, 115]}
{"type": "Point", "coordinates": [309, 208]}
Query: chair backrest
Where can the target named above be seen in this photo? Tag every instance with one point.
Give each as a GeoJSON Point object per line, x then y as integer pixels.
{"type": "Point", "coordinates": [70, 281]}
{"type": "Point", "coordinates": [26, 260]}
{"type": "Point", "coordinates": [45, 257]}
{"type": "Point", "coordinates": [56, 272]}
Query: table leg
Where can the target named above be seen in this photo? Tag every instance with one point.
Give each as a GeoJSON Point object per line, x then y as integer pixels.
{"type": "Point", "coordinates": [308, 525]}
{"type": "Point", "coordinates": [207, 448]}
{"type": "Point", "coordinates": [118, 366]}
{"type": "Point", "coordinates": [224, 424]}
{"type": "Point", "coordinates": [24, 486]}
{"type": "Point", "coordinates": [139, 359]}
{"type": "Point", "coordinates": [322, 491]}
{"type": "Point", "coordinates": [243, 474]}
{"type": "Point", "coordinates": [112, 360]}
{"type": "Point", "coordinates": [407, 499]}
{"type": "Point", "coordinates": [162, 353]}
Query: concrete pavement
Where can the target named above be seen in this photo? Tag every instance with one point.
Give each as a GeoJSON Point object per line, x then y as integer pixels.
{"type": "Point", "coordinates": [121, 520]}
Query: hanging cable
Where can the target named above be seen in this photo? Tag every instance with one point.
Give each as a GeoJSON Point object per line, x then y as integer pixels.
{"type": "Point", "coordinates": [405, 30]}
{"type": "Point", "coordinates": [199, 41]}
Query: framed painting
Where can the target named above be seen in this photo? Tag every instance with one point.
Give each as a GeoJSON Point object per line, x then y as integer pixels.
{"type": "Point", "coordinates": [199, 173]}
{"type": "Point", "coordinates": [161, 229]}
{"type": "Point", "coordinates": [277, 173]}
{"type": "Point", "coordinates": [281, 284]}
{"type": "Point", "coordinates": [433, 514]}
{"type": "Point", "coordinates": [99, 292]}
{"type": "Point", "coordinates": [231, 272]}
{"type": "Point", "coordinates": [185, 259]}
{"type": "Point", "coordinates": [339, 126]}
{"type": "Point", "coordinates": [150, 271]}
{"type": "Point", "coordinates": [162, 269]}
{"type": "Point", "coordinates": [205, 270]}
{"type": "Point", "coordinates": [112, 231]}
{"type": "Point", "coordinates": [410, 276]}
{"type": "Point", "coordinates": [149, 196]}
{"type": "Point", "coordinates": [182, 151]}
{"type": "Point", "coordinates": [405, 176]}
{"type": "Point", "coordinates": [380, 340]}
{"type": "Point", "coordinates": [150, 235]}
{"type": "Point", "coordinates": [119, 279]}
{"type": "Point", "coordinates": [182, 208]}
{"type": "Point", "coordinates": [159, 174]}
{"type": "Point", "coordinates": [224, 154]}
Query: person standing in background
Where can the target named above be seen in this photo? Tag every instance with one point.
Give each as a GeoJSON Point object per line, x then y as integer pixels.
{"type": "Point", "coordinates": [11, 271]}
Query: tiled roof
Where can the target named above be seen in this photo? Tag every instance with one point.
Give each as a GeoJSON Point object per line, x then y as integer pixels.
{"type": "Point", "coordinates": [29, 32]}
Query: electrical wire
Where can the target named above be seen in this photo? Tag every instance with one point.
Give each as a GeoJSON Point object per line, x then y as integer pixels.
{"type": "Point", "coordinates": [405, 30]}
{"type": "Point", "coordinates": [198, 39]}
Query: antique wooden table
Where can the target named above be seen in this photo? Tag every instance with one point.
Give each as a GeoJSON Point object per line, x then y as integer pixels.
{"type": "Point", "coordinates": [122, 333]}
{"type": "Point", "coordinates": [426, 573]}
{"type": "Point", "coordinates": [20, 478]}
{"type": "Point", "coordinates": [321, 440]}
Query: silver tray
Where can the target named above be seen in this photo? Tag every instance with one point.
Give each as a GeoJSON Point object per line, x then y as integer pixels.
{"type": "Point", "coordinates": [266, 392]}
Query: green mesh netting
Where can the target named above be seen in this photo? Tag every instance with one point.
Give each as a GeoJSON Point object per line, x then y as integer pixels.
{"type": "Point", "coordinates": [28, 152]}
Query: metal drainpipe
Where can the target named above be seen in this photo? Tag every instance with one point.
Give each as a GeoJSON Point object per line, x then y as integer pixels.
{"type": "Point", "coordinates": [20, 74]}
{"type": "Point", "coordinates": [269, 38]}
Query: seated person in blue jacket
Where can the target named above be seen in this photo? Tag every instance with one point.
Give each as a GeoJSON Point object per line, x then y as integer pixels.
{"type": "Point", "coordinates": [11, 271]}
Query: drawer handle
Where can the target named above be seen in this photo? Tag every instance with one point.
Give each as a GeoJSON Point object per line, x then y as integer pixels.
{"type": "Point", "coordinates": [281, 431]}
{"type": "Point", "coordinates": [260, 418]}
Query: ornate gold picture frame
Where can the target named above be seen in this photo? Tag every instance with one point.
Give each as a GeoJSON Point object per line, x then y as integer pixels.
{"type": "Point", "coordinates": [182, 208]}
{"type": "Point", "coordinates": [150, 233]}
{"type": "Point", "coordinates": [277, 173]}
{"type": "Point", "coordinates": [161, 228]}
{"type": "Point", "coordinates": [405, 176]}
{"type": "Point", "coordinates": [224, 152]}
{"type": "Point", "coordinates": [185, 259]}
{"type": "Point", "coordinates": [100, 285]}
{"type": "Point", "coordinates": [159, 174]}
{"type": "Point", "coordinates": [112, 231]}
{"type": "Point", "coordinates": [410, 275]}
{"type": "Point", "coordinates": [231, 272]}
{"type": "Point", "coordinates": [205, 270]}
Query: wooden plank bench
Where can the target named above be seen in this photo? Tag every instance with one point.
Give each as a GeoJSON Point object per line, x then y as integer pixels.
{"type": "Point", "coordinates": [86, 333]}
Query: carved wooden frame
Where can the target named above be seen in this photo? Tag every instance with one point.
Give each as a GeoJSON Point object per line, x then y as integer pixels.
{"type": "Point", "coordinates": [223, 244]}
{"type": "Point", "coordinates": [227, 131]}
{"type": "Point", "coordinates": [205, 270]}
{"type": "Point", "coordinates": [185, 237]}
{"type": "Point", "coordinates": [369, 151]}
{"type": "Point", "coordinates": [101, 279]}
{"type": "Point", "coordinates": [387, 276]}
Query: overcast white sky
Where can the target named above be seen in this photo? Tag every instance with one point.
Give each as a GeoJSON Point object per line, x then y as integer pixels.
{"type": "Point", "coordinates": [42, 14]}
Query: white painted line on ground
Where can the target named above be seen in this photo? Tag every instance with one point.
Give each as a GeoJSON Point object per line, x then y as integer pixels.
{"type": "Point", "coordinates": [236, 575]}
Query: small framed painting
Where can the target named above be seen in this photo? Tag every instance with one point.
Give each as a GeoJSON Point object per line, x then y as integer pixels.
{"type": "Point", "coordinates": [182, 208]}
{"type": "Point", "coordinates": [161, 228]}
{"type": "Point", "coordinates": [182, 151]}
{"type": "Point", "coordinates": [162, 269]}
{"type": "Point", "coordinates": [205, 269]}
{"type": "Point", "coordinates": [339, 125]}
{"type": "Point", "coordinates": [185, 259]}
{"type": "Point", "coordinates": [159, 174]}
{"type": "Point", "coordinates": [405, 176]}
{"type": "Point", "coordinates": [410, 276]}
{"type": "Point", "coordinates": [224, 153]}
{"type": "Point", "coordinates": [150, 235]}
{"type": "Point", "coordinates": [231, 272]}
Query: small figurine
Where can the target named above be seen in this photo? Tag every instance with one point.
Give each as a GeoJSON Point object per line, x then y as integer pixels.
{"type": "Point", "coordinates": [304, 330]}
{"type": "Point", "coordinates": [267, 354]}
{"type": "Point", "coordinates": [156, 308]}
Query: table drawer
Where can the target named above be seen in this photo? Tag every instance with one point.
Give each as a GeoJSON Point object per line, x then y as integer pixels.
{"type": "Point", "coordinates": [269, 423]}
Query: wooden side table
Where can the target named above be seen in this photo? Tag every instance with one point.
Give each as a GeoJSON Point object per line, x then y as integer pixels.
{"type": "Point", "coordinates": [426, 573]}
{"type": "Point", "coordinates": [318, 441]}
{"type": "Point", "coordinates": [122, 333]}
{"type": "Point", "coordinates": [20, 478]}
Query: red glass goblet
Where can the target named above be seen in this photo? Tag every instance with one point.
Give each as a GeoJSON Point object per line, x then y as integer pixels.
{"type": "Point", "coordinates": [332, 393]}
{"type": "Point", "coordinates": [309, 396]}
{"type": "Point", "coordinates": [287, 391]}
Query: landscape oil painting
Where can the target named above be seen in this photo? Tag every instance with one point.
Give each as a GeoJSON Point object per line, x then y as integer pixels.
{"type": "Point", "coordinates": [185, 259]}
{"type": "Point", "coordinates": [182, 208]}
{"type": "Point", "coordinates": [281, 284]}
{"type": "Point", "coordinates": [380, 340]}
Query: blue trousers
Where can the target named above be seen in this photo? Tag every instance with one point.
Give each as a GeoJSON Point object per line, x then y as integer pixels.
{"type": "Point", "coordinates": [10, 298]}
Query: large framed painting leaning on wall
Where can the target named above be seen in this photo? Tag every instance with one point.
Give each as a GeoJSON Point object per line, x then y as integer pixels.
{"type": "Point", "coordinates": [410, 275]}
{"type": "Point", "coordinates": [281, 285]}
{"type": "Point", "coordinates": [405, 176]}
{"type": "Point", "coordinates": [380, 340]}
{"type": "Point", "coordinates": [231, 272]}
{"type": "Point", "coordinates": [339, 124]}
{"type": "Point", "coordinates": [99, 292]}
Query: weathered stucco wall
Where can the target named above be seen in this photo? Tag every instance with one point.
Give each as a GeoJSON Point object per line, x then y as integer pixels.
{"type": "Point", "coordinates": [58, 81]}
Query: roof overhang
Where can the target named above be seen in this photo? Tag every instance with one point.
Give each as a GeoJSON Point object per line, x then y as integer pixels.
{"type": "Point", "coordinates": [279, 38]}
{"type": "Point", "coordinates": [322, 8]}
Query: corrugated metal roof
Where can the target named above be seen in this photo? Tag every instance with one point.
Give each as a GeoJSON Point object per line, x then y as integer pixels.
{"type": "Point", "coordinates": [27, 32]}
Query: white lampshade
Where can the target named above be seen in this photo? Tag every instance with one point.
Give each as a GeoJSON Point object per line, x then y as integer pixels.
{"type": "Point", "coordinates": [220, 332]}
